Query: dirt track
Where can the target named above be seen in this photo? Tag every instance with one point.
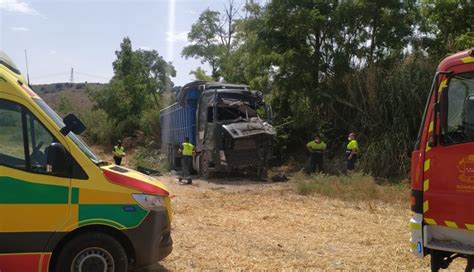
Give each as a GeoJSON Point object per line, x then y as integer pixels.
{"type": "Point", "coordinates": [237, 225]}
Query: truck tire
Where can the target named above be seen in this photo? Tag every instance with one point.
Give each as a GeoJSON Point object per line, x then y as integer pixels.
{"type": "Point", "coordinates": [92, 251]}
{"type": "Point", "coordinates": [439, 260]}
{"type": "Point", "coordinates": [262, 173]}
{"type": "Point", "coordinates": [204, 166]}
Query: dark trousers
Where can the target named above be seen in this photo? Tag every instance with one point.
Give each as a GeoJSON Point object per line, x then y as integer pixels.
{"type": "Point", "coordinates": [118, 160]}
{"type": "Point", "coordinates": [316, 160]}
{"type": "Point", "coordinates": [187, 163]}
{"type": "Point", "coordinates": [351, 162]}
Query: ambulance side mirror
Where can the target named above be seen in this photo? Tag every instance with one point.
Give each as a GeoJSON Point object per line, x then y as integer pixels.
{"type": "Point", "coordinates": [443, 109]}
{"type": "Point", "coordinates": [72, 123]}
{"type": "Point", "coordinates": [57, 159]}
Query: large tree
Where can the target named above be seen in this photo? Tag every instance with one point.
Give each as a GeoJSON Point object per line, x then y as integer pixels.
{"type": "Point", "coordinates": [138, 76]}
{"type": "Point", "coordinates": [206, 43]}
{"type": "Point", "coordinates": [212, 37]}
{"type": "Point", "coordinates": [448, 26]}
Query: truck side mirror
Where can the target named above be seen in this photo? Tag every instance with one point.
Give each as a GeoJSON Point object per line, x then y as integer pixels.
{"type": "Point", "coordinates": [72, 123]}
{"type": "Point", "coordinates": [443, 109]}
{"type": "Point", "coordinates": [57, 159]}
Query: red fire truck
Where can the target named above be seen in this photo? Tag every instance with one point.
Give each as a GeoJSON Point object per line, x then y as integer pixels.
{"type": "Point", "coordinates": [442, 167]}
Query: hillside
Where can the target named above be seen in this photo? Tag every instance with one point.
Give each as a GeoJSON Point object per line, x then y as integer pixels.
{"type": "Point", "coordinates": [75, 93]}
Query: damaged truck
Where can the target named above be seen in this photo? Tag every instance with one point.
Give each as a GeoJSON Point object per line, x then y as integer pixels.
{"type": "Point", "coordinates": [229, 124]}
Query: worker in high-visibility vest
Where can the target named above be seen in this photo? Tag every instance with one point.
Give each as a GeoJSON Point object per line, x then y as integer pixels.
{"type": "Point", "coordinates": [119, 152]}
{"type": "Point", "coordinates": [187, 151]}
{"type": "Point", "coordinates": [351, 151]}
{"type": "Point", "coordinates": [316, 148]}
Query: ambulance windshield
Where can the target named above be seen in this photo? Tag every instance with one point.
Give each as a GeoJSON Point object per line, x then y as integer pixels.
{"type": "Point", "coordinates": [76, 139]}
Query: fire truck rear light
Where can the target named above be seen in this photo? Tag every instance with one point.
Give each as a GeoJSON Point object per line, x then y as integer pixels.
{"type": "Point", "coordinates": [412, 200]}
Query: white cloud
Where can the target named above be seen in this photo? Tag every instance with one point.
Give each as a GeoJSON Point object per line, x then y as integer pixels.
{"type": "Point", "coordinates": [52, 52]}
{"type": "Point", "coordinates": [177, 37]}
{"type": "Point", "coordinates": [19, 28]}
{"type": "Point", "coordinates": [18, 6]}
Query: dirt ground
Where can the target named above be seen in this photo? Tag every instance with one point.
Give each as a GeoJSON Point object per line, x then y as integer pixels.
{"type": "Point", "coordinates": [244, 225]}
{"type": "Point", "coordinates": [238, 224]}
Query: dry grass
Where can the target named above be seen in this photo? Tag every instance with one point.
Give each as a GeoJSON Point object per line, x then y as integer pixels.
{"type": "Point", "coordinates": [240, 225]}
{"type": "Point", "coordinates": [354, 187]}
{"type": "Point", "coordinates": [346, 223]}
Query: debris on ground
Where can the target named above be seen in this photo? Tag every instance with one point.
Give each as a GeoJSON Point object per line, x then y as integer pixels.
{"type": "Point", "coordinates": [149, 171]}
{"type": "Point", "coordinates": [280, 177]}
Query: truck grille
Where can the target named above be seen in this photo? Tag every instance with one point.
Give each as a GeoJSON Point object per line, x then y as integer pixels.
{"type": "Point", "coordinates": [241, 144]}
{"type": "Point", "coordinates": [246, 157]}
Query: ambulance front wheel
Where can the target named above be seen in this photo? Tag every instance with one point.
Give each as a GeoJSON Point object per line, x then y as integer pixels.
{"type": "Point", "coordinates": [92, 252]}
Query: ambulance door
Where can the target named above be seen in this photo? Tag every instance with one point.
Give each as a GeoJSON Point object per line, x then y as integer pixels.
{"type": "Point", "coordinates": [34, 199]}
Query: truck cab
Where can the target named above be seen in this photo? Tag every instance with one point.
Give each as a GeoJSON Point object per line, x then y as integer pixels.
{"type": "Point", "coordinates": [442, 169]}
{"type": "Point", "coordinates": [61, 207]}
{"type": "Point", "coordinates": [224, 122]}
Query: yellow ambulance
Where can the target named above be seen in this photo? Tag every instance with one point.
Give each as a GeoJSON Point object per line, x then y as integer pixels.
{"type": "Point", "coordinates": [61, 207]}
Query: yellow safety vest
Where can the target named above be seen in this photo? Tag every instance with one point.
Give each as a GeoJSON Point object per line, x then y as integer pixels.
{"type": "Point", "coordinates": [119, 150]}
{"type": "Point", "coordinates": [352, 146]}
{"type": "Point", "coordinates": [315, 146]}
{"type": "Point", "coordinates": [188, 149]}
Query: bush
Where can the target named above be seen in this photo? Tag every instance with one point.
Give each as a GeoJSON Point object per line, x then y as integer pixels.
{"type": "Point", "coordinates": [150, 157]}
{"type": "Point", "coordinates": [100, 129]}
{"type": "Point", "coordinates": [150, 123]}
{"type": "Point", "coordinates": [383, 105]}
{"type": "Point", "coordinates": [65, 105]}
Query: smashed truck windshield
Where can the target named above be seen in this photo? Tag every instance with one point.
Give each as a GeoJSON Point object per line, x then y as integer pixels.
{"type": "Point", "coordinates": [236, 107]}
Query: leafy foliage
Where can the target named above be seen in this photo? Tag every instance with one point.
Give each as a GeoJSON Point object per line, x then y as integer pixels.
{"type": "Point", "coordinates": [206, 45]}
{"type": "Point", "coordinates": [139, 76]}
{"type": "Point", "coordinates": [65, 105]}
{"type": "Point", "coordinates": [448, 24]}
{"type": "Point", "coordinates": [333, 67]}
{"type": "Point", "coordinates": [200, 74]}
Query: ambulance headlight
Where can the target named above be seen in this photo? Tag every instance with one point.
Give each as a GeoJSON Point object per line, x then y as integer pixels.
{"type": "Point", "coordinates": [150, 202]}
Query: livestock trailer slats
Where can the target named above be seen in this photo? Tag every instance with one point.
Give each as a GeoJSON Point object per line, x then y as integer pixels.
{"type": "Point", "coordinates": [178, 122]}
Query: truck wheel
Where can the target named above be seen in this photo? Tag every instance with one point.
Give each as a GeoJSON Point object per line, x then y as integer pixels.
{"type": "Point", "coordinates": [440, 260]}
{"type": "Point", "coordinates": [204, 165]}
{"type": "Point", "coordinates": [262, 173]}
{"type": "Point", "coordinates": [92, 252]}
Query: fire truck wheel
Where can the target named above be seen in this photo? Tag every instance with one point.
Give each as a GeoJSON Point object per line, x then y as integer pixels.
{"type": "Point", "coordinates": [439, 260]}
{"type": "Point", "coordinates": [92, 252]}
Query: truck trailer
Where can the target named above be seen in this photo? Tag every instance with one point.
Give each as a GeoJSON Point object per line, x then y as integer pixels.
{"type": "Point", "coordinates": [222, 120]}
{"type": "Point", "coordinates": [442, 167]}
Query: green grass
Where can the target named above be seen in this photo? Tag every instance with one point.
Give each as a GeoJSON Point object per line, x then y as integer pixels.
{"type": "Point", "coordinates": [11, 142]}
{"type": "Point", "coordinates": [353, 187]}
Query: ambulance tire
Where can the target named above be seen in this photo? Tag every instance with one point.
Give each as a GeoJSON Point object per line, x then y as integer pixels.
{"type": "Point", "coordinates": [101, 249]}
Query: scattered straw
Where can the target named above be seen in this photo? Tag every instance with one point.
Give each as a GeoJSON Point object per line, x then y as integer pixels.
{"type": "Point", "coordinates": [254, 226]}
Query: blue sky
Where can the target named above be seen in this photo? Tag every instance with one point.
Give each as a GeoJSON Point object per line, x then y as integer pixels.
{"type": "Point", "coordinates": [84, 34]}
